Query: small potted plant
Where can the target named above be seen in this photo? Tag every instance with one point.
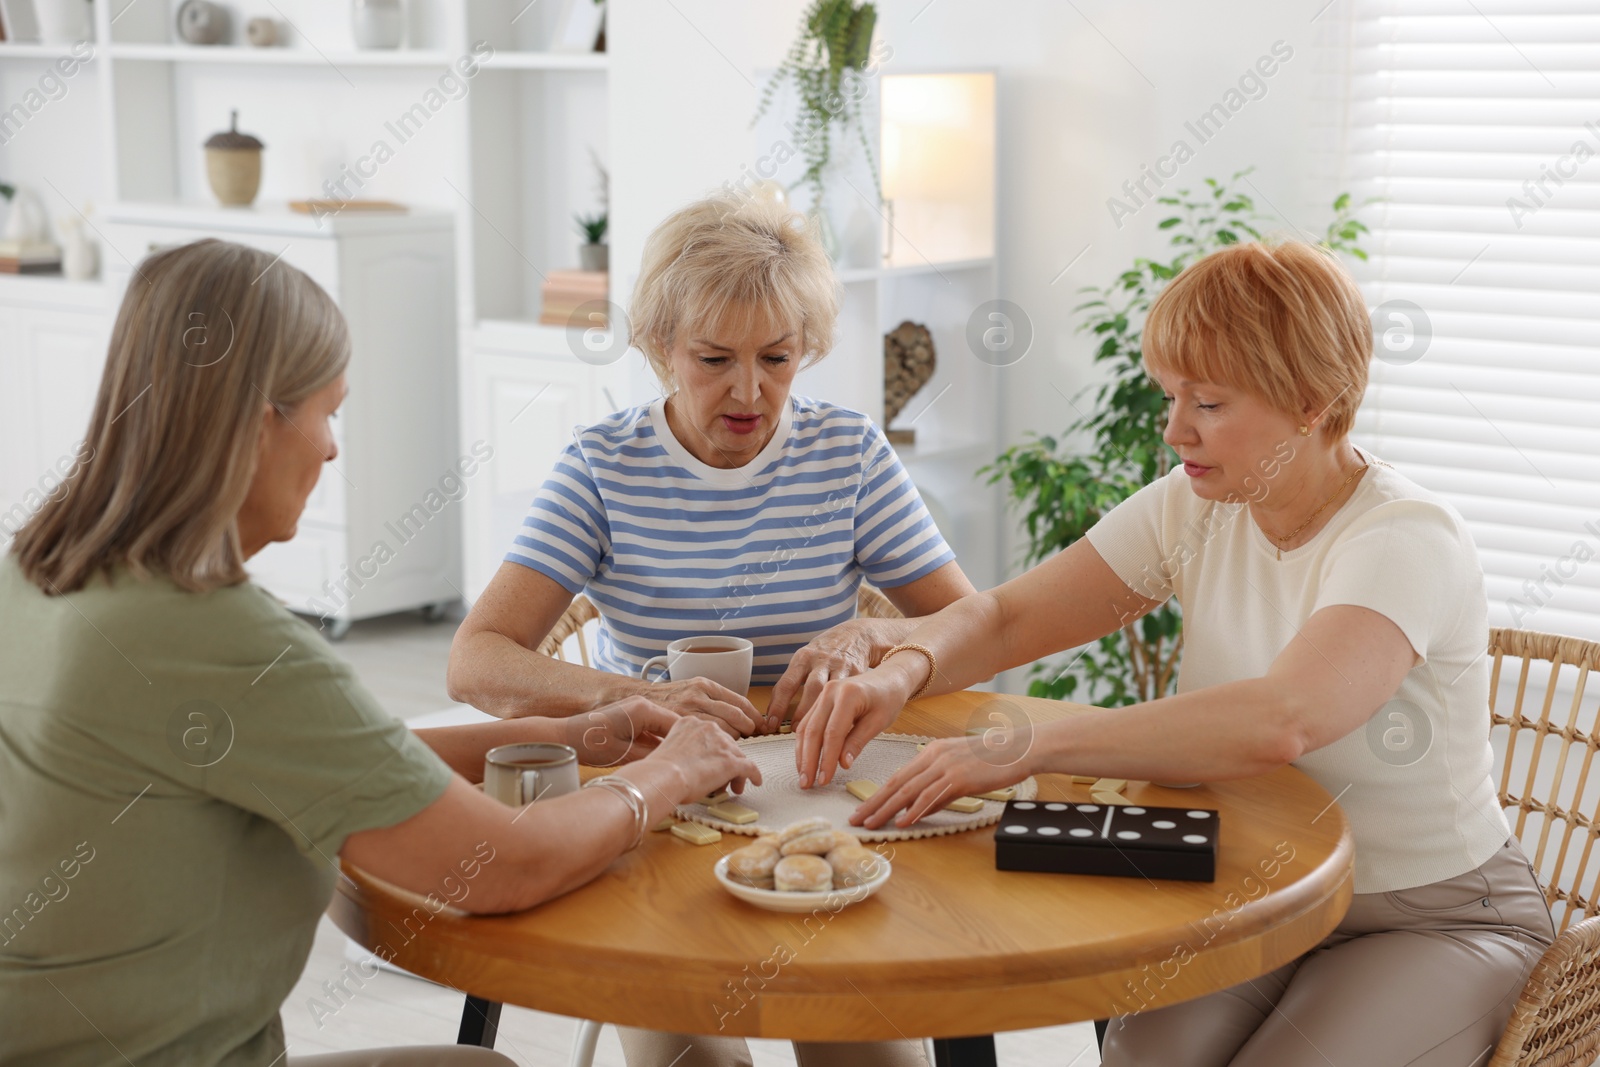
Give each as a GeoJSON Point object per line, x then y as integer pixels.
{"type": "Point", "coordinates": [593, 253]}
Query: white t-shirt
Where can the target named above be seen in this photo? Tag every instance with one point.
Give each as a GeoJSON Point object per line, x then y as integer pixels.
{"type": "Point", "coordinates": [1415, 781]}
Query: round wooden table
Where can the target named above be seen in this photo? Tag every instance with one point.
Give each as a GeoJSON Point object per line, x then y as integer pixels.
{"type": "Point", "coordinates": [949, 948]}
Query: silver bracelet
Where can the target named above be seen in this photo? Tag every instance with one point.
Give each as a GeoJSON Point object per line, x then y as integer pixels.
{"type": "Point", "coordinates": [633, 796]}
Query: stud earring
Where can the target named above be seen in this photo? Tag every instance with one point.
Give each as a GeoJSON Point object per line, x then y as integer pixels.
{"type": "Point", "coordinates": [1305, 431]}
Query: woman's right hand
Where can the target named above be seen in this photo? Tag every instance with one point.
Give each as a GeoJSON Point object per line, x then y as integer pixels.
{"type": "Point", "coordinates": [703, 698]}
{"type": "Point", "coordinates": [847, 714]}
{"type": "Point", "coordinates": [707, 758]}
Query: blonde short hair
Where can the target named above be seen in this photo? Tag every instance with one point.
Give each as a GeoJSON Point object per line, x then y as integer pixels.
{"type": "Point", "coordinates": [208, 333]}
{"type": "Point", "coordinates": [735, 262]}
{"type": "Point", "coordinates": [1284, 322]}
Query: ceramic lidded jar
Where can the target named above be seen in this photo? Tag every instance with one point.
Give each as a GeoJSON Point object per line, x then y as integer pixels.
{"type": "Point", "coordinates": [378, 23]}
{"type": "Point", "coordinates": [233, 165]}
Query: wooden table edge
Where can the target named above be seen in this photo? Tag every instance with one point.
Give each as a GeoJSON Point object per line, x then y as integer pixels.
{"type": "Point", "coordinates": [873, 1009]}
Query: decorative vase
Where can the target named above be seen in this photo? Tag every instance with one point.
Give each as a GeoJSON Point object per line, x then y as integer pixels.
{"type": "Point", "coordinates": [594, 256]}
{"type": "Point", "coordinates": [233, 165]}
{"type": "Point", "coordinates": [825, 232]}
{"type": "Point", "coordinates": [80, 257]}
{"type": "Point", "coordinates": [202, 22]}
{"type": "Point", "coordinates": [25, 222]}
{"type": "Point", "coordinates": [261, 32]}
{"type": "Point", "coordinates": [64, 21]}
{"type": "Point", "coordinates": [378, 23]}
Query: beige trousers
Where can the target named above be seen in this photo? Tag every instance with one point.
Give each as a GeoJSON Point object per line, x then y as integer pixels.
{"type": "Point", "coordinates": [1423, 977]}
{"type": "Point", "coordinates": [653, 1048]}
{"type": "Point", "coordinates": [411, 1056]}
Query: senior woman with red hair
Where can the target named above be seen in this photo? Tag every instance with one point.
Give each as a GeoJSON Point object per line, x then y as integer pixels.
{"type": "Point", "coordinates": [1323, 593]}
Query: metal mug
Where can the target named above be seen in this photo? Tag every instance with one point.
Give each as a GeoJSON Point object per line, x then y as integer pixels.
{"type": "Point", "coordinates": [534, 770]}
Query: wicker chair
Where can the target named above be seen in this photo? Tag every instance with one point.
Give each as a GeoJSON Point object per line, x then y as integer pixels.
{"type": "Point", "coordinates": [1556, 1022]}
{"type": "Point", "coordinates": [571, 623]}
{"type": "Point", "coordinates": [870, 604]}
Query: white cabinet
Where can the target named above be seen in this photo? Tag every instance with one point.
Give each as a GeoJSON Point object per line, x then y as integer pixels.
{"type": "Point", "coordinates": [523, 406]}
{"type": "Point", "coordinates": [381, 532]}
{"type": "Point", "coordinates": [52, 348]}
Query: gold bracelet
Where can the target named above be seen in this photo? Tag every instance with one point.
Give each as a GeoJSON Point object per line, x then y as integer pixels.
{"type": "Point", "coordinates": [933, 664]}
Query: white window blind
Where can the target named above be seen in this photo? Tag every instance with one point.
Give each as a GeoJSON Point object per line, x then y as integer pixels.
{"type": "Point", "coordinates": [1477, 123]}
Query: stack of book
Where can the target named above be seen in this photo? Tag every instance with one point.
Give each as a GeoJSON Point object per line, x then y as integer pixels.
{"type": "Point", "coordinates": [565, 291]}
{"type": "Point", "coordinates": [29, 257]}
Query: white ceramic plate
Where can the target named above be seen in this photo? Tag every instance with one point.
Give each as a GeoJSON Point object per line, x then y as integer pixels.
{"type": "Point", "coordinates": [829, 899]}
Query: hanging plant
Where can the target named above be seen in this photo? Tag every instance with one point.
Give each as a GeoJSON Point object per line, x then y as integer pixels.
{"type": "Point", "coordinates": [826, 64]}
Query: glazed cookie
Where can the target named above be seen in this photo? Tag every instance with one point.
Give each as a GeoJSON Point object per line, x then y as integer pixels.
{"type": "Point", "coordinates": [816, 843]}
{"type": "Point", "coordinates": [852, 866]}
{"type": "Point", "coordinates": [803, 873]}
{"type": "Point", "coordinates": [804, 826]}
{"type": "Point", "coordinates": [753, 865]}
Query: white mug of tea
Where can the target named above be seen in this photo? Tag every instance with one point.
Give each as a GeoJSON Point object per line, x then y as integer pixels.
{"type": "Point", "coordinates": [725, 660]}
{"type": "Point", "coordinates": [533, 770]}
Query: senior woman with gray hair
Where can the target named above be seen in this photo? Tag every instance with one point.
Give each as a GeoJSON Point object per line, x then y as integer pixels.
{"type": "Point", "coordinates": [727, 506]}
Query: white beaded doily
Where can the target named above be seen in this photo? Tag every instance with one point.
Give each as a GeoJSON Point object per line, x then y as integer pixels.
{"type": "Point", "coordinates": [779, 800]}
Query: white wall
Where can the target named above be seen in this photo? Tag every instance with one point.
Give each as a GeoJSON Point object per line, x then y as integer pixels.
{"type": "Point", "coordinates": [688, 72]}
{"type": "Point", "coordinates": [1085, 100]}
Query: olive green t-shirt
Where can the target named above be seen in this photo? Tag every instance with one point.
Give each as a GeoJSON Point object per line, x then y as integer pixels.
{"type": "Point", "coordinates": [178, 772]}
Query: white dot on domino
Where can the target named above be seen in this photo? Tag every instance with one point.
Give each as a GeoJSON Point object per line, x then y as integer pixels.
{"type": "Point", "coordinates": [1164, 824]}
{"type": "Point", "coordinates": [1199, 815]}
{"type": "Point", "coordinates": [1195, 839]}
{"type": "Point", "coordinates": [1079, 831]}
{"type": "Point", "coordinates": [1133, 811]}
{"type": "Point", "coordinates": [1128, 835]}
{"type": "Point", "coordinates": [1024, 805]}
{"type": "Point", "coordinates": [1088, 808]}
{"type": "Point", "coordinates": [1016, 829]}
{"type": "Point", "coordinates": [1049, 831]}
{"type": "Point", "coordinates": [1055, 807]}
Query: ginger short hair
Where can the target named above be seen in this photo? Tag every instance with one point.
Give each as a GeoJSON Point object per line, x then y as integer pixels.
{"type": "Point", "coordinates": [734, 262]}
{"type": "Point", "coordinates": [1284, 322]}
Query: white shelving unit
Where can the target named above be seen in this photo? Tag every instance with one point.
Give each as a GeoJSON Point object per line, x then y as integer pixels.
{"type": "Point", "coordinates": [473, 111]}
{"type": "Point", "coordinates": [507, 154]}
{"type": "Point", "coordinates": [927, 256]}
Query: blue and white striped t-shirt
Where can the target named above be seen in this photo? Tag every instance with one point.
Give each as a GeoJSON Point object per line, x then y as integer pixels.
{"type": "Point", "coordinates": [773, 551]}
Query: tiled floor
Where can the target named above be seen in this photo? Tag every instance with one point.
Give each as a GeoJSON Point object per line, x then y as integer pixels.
{"type": "Point", "coordinates": [402, 660]}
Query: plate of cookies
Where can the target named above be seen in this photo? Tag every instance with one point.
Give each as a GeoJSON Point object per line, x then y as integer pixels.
{"type": "Point", "coordinates": [805, 866]}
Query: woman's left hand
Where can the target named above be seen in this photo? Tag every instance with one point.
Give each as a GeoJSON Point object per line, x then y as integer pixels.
{"type": "Point", "coordinates": [620, 732]}
{"type": "Point", "coordinates": [845, 650]}
{"type": "Point", "coordinates": [949, 768]}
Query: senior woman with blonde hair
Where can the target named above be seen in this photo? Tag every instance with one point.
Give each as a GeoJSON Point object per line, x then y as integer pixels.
{"type": "Point", "coordinates": [727, 506]}
{"type": "Point", "coordinates": [1322, 591]}
{"type": "Point", "coordinates": [182, 760]}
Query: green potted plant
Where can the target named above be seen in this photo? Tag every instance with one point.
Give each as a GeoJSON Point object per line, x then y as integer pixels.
{"type": "Point", "coordinates": [826, 64]}
{"type": "Point", "coordinates": [1062, 490]}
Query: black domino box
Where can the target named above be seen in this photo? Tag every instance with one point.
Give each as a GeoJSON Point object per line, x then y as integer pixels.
{"type": "Point", "coordinates": [1125, 841]}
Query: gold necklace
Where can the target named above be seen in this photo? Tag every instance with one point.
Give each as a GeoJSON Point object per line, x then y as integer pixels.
{"type": "Point", "coordinates": [1291, 535]}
